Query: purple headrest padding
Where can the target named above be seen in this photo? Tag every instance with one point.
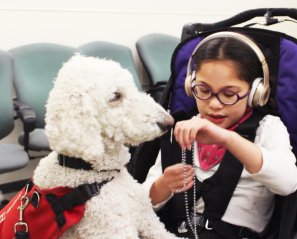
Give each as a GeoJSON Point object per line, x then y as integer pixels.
{"type": "Point", "coordinates": [286, 93]}
{"type": "Point", "coordinates": [180, 100]}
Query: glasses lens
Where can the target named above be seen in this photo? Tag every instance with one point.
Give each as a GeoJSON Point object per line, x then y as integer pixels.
{"type": "Point", "coordinates": [228, 97]}
{"type": "Point", "coordinates": [202, 92]}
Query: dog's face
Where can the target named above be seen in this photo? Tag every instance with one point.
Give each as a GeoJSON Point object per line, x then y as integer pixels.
{"type": "Point", "coordinates": [95, 99]}
{"type": "Point", "coordinates": [127, 115]}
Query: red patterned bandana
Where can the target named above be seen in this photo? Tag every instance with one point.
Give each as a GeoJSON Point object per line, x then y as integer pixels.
{"type": "Point", "coordinates": [211, 154]}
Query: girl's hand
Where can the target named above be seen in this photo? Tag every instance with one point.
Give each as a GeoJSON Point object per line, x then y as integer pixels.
{"type": "Point", "coordinates": [201, 130]}
{"type": "Point", "coordinates": [174, 177]}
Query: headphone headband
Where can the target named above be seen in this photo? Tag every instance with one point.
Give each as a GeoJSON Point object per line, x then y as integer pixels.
{"type": "Point", "coordinates": [262, 91]}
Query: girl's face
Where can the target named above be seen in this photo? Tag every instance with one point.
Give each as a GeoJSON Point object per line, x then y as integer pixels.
{"type": "Point", "coordinates": [221, 75]}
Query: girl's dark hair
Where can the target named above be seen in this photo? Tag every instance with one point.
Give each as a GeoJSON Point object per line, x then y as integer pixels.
{"type": "Point", "coordinates": [243, 57]}
{"type": "Point", "coordinates": [228, 48]}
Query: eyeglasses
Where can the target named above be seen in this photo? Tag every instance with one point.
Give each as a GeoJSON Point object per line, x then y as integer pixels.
{"type": "Point", "coordinates": [226, 97]}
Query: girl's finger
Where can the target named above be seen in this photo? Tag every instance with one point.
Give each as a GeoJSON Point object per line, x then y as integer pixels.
{"type": "Point", "coordinates": [191, 130]}
{"type": "Point", "coordinates": [194, 132]}
{"type": "Point", "coordinates": [182, 134]}
{"type": "Point", "coordinates": [189, 173]}
{"type": "Point", "coordinates": [177, 127]}
{"type": "Point", "coordinates": [176, 172]}
{"type": "Point", "coordinates": [179, 184]}
{"type": "Point", "coordinates": [186, 133]}
{"type": "Point", "coordinates": [189, 185]}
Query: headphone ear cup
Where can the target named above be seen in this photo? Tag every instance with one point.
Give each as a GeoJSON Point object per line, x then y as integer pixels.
{"type": "Point", "coordinates": [188, 89]}
{"type": "Point", "coordinates": [257, 87]}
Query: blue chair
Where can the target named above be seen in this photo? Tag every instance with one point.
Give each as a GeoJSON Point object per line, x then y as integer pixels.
{"type": "Point", "coordinates": [155, 51]}
{"type": "Point", "coordinates": [115, 52]}
{"type": "Point", "coordinates": [12, 157]}
{"type": "Point", "coordinates": [35, 67]}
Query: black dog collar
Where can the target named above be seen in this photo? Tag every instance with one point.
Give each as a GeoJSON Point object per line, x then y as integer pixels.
{"type": "Point", "coordinates": [72, 162]}
{"type": "Point", "coordinates": [78, 163]}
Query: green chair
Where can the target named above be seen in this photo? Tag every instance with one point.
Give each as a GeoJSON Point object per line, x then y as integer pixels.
{"type": "Point", "coordinates": [35, 68]}
{"type": "Point", "coordinates": [115, 52]}
{"type": "Point", "coordinates": [12, 157]}
{"type": "Point", "coordinates": [155, 51]}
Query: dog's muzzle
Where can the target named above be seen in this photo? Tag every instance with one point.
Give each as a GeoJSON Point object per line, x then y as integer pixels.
{"type": "Point", "coordinates": [167, 123]}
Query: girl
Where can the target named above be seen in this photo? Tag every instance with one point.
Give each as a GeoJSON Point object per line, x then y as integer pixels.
{"type": "Point", "coordinates": [225, 71]}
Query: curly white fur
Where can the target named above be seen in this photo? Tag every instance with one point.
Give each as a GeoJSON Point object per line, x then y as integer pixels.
{"type": "Point", "coordinates": [92, 111]}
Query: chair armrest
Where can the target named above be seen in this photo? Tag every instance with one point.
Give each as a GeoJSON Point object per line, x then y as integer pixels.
{"type": "Point", "coordinates": [18, 105]}
{"type": "Point", "coordinates": [161, 83]}
{"type": "Point", "coordinates": [154, 89]}
{"type": "Point", "coordinates": [28, 118]}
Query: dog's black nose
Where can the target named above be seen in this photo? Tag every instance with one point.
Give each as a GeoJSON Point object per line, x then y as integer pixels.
{"type": "Point", "coordinates": [167, 123]}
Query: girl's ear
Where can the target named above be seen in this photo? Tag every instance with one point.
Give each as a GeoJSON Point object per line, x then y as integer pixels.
{"type": "Point", "coordinates": [71, 125]}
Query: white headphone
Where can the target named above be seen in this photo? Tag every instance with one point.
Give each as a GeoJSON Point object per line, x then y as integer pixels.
{"type": "Point", "coordinates": [260, 91]}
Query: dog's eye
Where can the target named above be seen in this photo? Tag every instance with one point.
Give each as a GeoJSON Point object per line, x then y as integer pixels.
{"type": "Point", "coordinates": [116, 96]}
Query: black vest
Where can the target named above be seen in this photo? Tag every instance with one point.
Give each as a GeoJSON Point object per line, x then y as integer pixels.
{"type": "Point", "coordinates": [217, 190]}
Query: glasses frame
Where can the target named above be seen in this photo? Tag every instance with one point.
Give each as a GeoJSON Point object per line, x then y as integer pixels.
{"type": "Point", "coordinates": [217, 94]}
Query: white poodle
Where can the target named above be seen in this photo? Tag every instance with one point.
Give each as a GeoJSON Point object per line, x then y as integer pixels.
{"type": "Point", "coordinates": [92, 111]}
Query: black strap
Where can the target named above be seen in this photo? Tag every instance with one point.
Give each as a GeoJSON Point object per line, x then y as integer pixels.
{"type": "Point", "coordinates": [222, 186]}
{"type": "Point", "coordinates": [68, 201]}
{"type": "Point", "coordinates": [35, 198]}
{"type": "Point", "coordinates": [232, 231]}
{"type": "Point", "coordinates": [72, 162]}
{"type": "Point", "coordinates": [30, 185]}
{"type": "Point", "coordinates": [173, 156]}
{"type": "Point", "coordinates": [21, 234]}
{"type": "Point", "coordinates": [166, 149]}
{"type": "Point", "coordinates": [225, 179]}
{"type": "Point", "coordinates": [225, 230]}
{"type": "Point", "coordinates": [166, 141]}
{"type": "Point", "coordinates": [201, 186]}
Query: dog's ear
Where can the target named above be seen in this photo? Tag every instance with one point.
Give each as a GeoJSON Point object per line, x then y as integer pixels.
{"type": "Point", "coordinates": [71, 125]}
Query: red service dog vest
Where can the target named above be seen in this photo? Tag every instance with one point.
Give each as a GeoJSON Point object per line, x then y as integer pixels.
{"type": "Point", "coordinates": [41, 221]}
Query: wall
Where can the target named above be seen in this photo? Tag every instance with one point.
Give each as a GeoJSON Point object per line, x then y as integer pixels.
{"type": "Point", "coordinates": [73, 23]}
{"type": "Point", "coordinates": [77, 22]}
